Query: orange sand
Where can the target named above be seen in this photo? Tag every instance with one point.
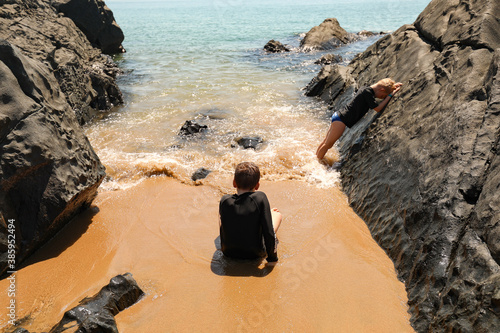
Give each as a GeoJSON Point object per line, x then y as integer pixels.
{"type": "Point", "coordinates": [331, 277]}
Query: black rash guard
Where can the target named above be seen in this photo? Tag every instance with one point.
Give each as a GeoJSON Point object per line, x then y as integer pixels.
{"type": "Point", "coordinates": [358, 107]}
{"type": "Point", "coordinates": [246, 230]}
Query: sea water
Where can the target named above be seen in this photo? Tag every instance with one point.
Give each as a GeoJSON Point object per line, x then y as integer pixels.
{"type": "Point", "coordinates": [203, 60]}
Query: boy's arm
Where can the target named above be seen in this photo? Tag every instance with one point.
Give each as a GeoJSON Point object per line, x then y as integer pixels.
{"type": "Point", "coordinates": [383, 104]}
{"type": "Point", "coordinates": [388, 98]}
{"type": "Point", "coordinates": [268, 231]}
{"type": "Point", "coordinates": [220, 205]}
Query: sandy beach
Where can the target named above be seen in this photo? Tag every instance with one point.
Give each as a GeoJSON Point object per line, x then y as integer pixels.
{"type": "Point", "coordinates": [116, 132]}
{"type": "Point", "coordinates": [331, 276]}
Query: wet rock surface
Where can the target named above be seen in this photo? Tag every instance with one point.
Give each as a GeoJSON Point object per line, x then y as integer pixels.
{"type": "Point", "coordinates": [328, 59]}
{"type": "Point", "coordinates": [200, 173]}
{"type": "Point", "coordinates": [424, 175]}
{"type": "Point", "coordinates": [85, 74]}
{"type": "Point", "coordinates": [48, 169]}
{"type": "Point", "coordinates": [191, 127]}
{"type": "Point", "coordinates": [249, 142]}
{"type": "Point", "coordinates": [96, 314]}
{"type": "Point", "coordinates": [274, 46]}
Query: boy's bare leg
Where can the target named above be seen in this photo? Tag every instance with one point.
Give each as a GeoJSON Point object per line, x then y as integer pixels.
{"type": "Point", "coordinates": [277, 217]}
{"type": "Point", "coordinates": [334, 133]}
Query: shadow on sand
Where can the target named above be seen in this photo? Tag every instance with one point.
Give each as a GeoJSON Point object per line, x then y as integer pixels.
{"type": "Point", "coordinates": [64, 239]}
{"type": "Point", "coordinates": [224, 266]}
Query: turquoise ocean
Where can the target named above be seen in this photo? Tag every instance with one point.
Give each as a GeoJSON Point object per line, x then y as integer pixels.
{"type": "Point", "coordinates": [203, 60]}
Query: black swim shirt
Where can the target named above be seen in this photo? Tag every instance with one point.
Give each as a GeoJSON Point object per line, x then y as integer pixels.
{"type": "Point", "coordinates": [358, 107]}
{"type": "Point", "coordinates": [246, 230]}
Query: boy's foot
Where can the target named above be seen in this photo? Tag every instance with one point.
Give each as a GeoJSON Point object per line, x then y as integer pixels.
{"type": "Point", "coordinates": [327, 161]}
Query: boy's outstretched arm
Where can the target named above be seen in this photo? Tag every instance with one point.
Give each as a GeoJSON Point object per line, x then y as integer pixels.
{"type": "Point", "coordinates": [268, 231]}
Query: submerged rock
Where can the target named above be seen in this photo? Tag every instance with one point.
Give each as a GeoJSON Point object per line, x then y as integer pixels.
{"type": "Point", "coordinates": [249, 142]}
{"type": "Point", "coordinates": [48, 169]}
{"type": "Point", "coordinates": [96, 314]}
{"type": "Point", "coordinates": [366, 33]}
{"type": "Point", "coordinates": [426, 176]}
{"type": "Point", "coordinates": [274, 46]}
{"type": "Point", "coordinates": [328, 59]}
{"type": "Point", "coordinates": [328, 35]}
{"type": "Point", "coordinates": [216, 113]}
{"type": "Point", "coordinates": [191, 127]}
{"type": "Point", "coordinates": [201, 173]}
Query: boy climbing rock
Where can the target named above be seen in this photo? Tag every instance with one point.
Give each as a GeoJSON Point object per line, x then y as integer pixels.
{"type": "Point", "coordinates": [356, 109]}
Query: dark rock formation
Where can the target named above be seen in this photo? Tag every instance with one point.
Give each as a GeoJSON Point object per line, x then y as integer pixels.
{"type": "Point", "coordinates": [328, 35]}
{"type": "Point", "coordinates": [332, 82]}
{"type": "Point", "coordinates": [96, 21]}
{"type": "Point", "coordinates": [201, 173]}
{"type": "Point", "coordinates": [249, 142]}
{"type": "Point", "coordinates": [425, 176]}
{"type": "Point", "coordinates": [329, 59]}
{"type": "Point", "coordinates": [96, 314]}
{"type": "Point", "coordinates": [48, 170]}
{"type": "Point", "coordinates": [191, 127]}
{"type": "Point", "coordinates": [85, 75]}
{"type": "Point", "coordinates": [274, 46]}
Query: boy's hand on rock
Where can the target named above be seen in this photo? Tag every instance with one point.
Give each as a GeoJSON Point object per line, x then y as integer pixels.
{"type": "Point", "coordinates": [397, 86]}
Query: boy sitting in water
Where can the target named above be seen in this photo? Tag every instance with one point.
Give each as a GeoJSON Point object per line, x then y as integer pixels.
{"type": "Point", "coordinates": [247, 223]}
{"type": "Point", "coordinates": [356, 109]}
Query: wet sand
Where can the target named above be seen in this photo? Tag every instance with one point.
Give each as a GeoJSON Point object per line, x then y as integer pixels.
{"type": "Point", "coordinates": [331, 276]}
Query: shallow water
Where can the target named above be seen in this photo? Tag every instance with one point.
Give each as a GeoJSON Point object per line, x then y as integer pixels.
{"type": "Point", "coordinates": [204, 60]}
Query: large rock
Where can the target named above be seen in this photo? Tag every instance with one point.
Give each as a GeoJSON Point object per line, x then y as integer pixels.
{"type": "Point", "coordinates": [96, 21]}
{"type": "Point", "coordinates": [332, 82]}
{"type": "Point", "coordinates": [425, 174]}
{"type": "Point", "coordinates": [96, 314]}
{"type": "Point", "coordinates": [48, 170]}
{"type": "Point", "coordinates": [328, 35]}
{"type": "Point", "coordinates": [85, 75]}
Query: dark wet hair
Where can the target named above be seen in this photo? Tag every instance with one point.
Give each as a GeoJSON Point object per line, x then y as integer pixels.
{"type": "Point", "coordinates": [246, 175]}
